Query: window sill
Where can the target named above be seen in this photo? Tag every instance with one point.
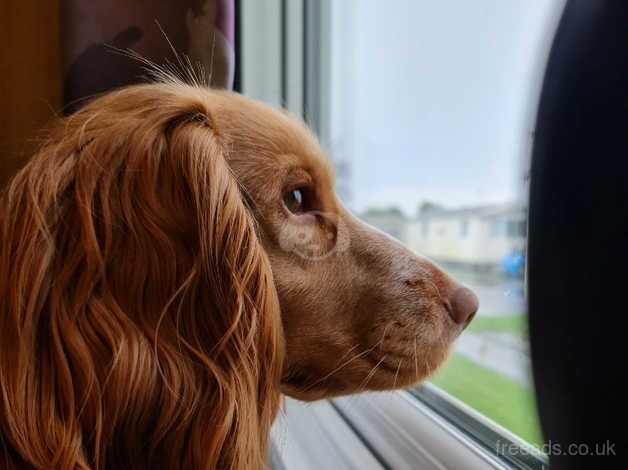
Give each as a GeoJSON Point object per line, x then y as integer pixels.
{"type": "Point", "coordinates": [392, 430]}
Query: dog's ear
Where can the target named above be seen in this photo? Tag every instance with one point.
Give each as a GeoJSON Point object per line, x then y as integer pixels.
{"type": "Point", "coordinates": [242, 316]}
{"type": "Point", "coordinates": [139, 322]}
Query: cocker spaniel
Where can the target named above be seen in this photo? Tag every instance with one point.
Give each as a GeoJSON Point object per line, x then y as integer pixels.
{"type": "Point", "coordinates": [172, 260]}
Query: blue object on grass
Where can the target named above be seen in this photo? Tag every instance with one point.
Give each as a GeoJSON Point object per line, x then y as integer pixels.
{"type": "Point", "coordinates": [513, 263]}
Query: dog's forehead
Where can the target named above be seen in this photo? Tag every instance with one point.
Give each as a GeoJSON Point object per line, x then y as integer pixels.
{"type": "Point", "coordinates": [271, 134]}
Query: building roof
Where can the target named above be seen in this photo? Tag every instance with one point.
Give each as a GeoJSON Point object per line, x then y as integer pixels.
{"type": "Point", "coordinates": [493, 210]}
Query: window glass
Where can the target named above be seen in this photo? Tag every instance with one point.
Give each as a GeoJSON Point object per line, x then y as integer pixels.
{"type": "Point", "coordinates": [433, 104]}
{"type": "Point", "coordinates": [464, 228]}
{"type": "Point", "coordinates": [498, 228]}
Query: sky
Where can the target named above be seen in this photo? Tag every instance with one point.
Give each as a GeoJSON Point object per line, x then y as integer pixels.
{"type": "Point", "coordinates": [436, 99]}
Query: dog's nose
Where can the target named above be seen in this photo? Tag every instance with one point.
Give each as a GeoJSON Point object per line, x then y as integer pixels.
{"type": "Point", "coordinates": [463, 305]}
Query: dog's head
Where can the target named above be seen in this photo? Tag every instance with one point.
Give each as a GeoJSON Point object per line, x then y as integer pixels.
{"type": "Point", "coordinates": [359, 310]}
{"type": "Point", "coordinates": [171, 260]}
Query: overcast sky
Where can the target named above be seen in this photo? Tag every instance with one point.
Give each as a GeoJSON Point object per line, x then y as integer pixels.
{"type": "Point", "coordinates": [435, 99]}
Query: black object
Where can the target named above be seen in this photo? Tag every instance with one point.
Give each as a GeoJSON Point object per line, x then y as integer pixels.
{"type": "Point", "coordinates": [578, 239]}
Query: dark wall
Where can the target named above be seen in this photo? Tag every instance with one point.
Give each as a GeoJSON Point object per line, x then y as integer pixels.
{"type": "Point", "coordinates": [30, 76]}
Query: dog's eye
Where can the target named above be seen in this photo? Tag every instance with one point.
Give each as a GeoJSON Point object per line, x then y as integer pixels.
{"type": "Point", "coordinates": [294, 200]}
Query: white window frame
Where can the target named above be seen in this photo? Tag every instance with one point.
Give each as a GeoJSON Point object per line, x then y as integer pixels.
{"type": "Point", "coordinates": [284, 61]}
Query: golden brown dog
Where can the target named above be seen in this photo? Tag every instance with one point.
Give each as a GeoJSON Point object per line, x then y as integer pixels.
{"type": "Point", "coordinates": [174, 258]}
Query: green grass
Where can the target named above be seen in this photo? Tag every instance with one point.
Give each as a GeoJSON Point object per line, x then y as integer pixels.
{"type": "Point", "coordinates": [498, 397]}
{"type": "Point", "coordinates": [515, 324]}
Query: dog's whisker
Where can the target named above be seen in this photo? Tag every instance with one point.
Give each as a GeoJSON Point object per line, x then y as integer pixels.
{"type": "Point", "coordinates": [370, 375]}
{"type": "Point", "coordinates": [357, 356]}
{"type": "Point", "coordinates": [428, 369]}
{"type": "Point", "coordinates": [188, 72]}
{"type": "Point", "coordinates": [340, 367]}
{"type": "Point", "coordinates": [349, 351]}
{"type": "Point", "coordinates": [160, 73]}
{"type": "Point", "coordinates": [397, 373]}
{"type": "Point", "coordinates": [416, 359]}
{"type": "Point", "coordinates": [381, 341]}
{"type": "Point", "coordinates": [172, 48]}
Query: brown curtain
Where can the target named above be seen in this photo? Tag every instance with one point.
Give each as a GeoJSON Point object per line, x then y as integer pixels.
{"type": "Point", "coordinates": [96, 31]}
{"type": "Point", "coordinates": [59, 53]}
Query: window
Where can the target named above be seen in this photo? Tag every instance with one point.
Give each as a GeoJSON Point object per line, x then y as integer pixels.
{"type": "Point", "coordinates": [438, 109]}
{"type": "Point", "coordinates": [498, 228]}
{"type": "Point", "coordinates": [516, 228]}
{"type": "Point", "coordinates": [464, 228]}
{"type": "Point", "coordinates": [426, 108]}
{"type": "Point", "coordinates": [425, 227]}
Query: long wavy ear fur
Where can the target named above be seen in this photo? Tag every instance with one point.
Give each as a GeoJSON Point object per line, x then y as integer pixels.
{"type": "Point", "coordinates": [139, 325]}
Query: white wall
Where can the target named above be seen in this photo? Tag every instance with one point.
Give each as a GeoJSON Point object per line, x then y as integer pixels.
{"type": "Point", "coordinates": [443, 240]}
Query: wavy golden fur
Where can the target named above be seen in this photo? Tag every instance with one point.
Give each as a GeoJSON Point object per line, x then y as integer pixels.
{"type": "Point", "coordinates": [140, 326]}
{"type": "Point", "coordinates": [171, 260]}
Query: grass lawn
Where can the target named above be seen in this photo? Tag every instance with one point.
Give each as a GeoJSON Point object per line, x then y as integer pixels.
{"type": "Point", "coordinates": [498, 397]}
{"type": "Point", "coordinates": [515, 324]}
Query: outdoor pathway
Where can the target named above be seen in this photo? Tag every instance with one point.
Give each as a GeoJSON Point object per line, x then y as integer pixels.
{"type": "Point", "coordinates": [504, 353]}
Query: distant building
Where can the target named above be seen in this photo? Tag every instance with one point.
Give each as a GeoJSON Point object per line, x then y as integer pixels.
{"type": "Point", "coordinates": [480, 237]}
{"type": "Point", "coordinates": [473, 237]}
{"type": "Point", "coordinates": [391, 221]}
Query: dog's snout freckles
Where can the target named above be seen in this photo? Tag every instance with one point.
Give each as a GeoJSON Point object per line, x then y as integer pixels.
{"type": "Point", "coordinates": [459, 301]}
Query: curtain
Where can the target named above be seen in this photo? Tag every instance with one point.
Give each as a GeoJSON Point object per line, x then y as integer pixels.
{"type": "Point", "coordinates": [96, 32]}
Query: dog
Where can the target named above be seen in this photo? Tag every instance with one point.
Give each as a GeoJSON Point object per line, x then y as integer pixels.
{"type": "Point", "coordinates": [174, 259]}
